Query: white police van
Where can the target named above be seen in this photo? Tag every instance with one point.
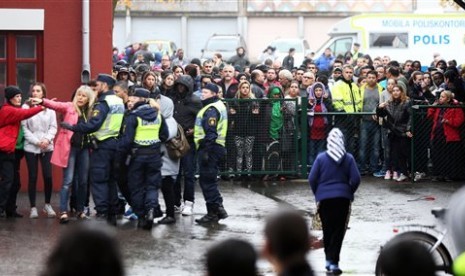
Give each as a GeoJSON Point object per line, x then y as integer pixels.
{"type": "Point", "coordinates": [401, 36]}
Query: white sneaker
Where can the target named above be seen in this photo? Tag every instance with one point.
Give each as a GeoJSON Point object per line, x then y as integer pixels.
{"type": "Point", "coordinates": [49, 211]}
{"type": "Point", "coordinates": [395, 175]}
{"type": "Point", "coordinates": [388, 175]}
{"type": "Point", "coordinates": [178, 209]}
{"type": "Point", "coordinates": [402, 177]}
{"type": "Point", "coordinates": [34, 213]}
{"type": "Point", "coordinates": [188, 208]}
{"type": "Point", "coordinates": [419, 176]}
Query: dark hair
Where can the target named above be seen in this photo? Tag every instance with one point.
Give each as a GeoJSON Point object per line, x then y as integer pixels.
{"type": "Point", "coordinates": [231, 257]}
{"type": "Point", "coordinates": [394, 71]}
{"type": "Point", "coordinates": [373, 72]}
{"type": "Point", "coordinates": [287, 236]}
{"type": "Point", "coordinates": [406, 257]}
{"type": "Point", "coordinates": [42, 86]}
{"type": "Point", "coordinates": [85, 251]}
{"type": "Point", "coordinates": [196, 61]}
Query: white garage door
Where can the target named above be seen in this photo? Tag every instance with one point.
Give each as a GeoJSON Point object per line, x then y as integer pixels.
{"type": "Point", "coordinates": [200, 29]}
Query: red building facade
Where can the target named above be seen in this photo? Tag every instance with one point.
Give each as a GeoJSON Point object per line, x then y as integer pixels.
{"type": "Point", "coordinates": [43, 41]}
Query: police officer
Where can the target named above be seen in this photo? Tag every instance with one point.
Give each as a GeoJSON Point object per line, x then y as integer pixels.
{"type": "Point", "coordinates": [143, 131]}
{"type": "Point", "coordinates": [210, 131]}
{"type": "Point", "coordinates": [105, 124]}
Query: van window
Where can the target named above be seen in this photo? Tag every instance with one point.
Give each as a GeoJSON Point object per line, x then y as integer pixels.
{"type": "Point", "coordinates": [341, 46]}
{"type": "Point", "coordinates": [389, 40]}
{"type": "Point", "coordinates": [227, 44]}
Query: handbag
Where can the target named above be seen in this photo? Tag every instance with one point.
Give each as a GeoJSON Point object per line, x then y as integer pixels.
{"type": "Point", "coordinates": [316, 220]}
{"type": "Point", "coordinates": [178, 146]}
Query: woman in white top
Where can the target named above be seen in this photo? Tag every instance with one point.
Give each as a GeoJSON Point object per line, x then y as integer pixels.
{"type": "Point", "coordinates": [39, 132]}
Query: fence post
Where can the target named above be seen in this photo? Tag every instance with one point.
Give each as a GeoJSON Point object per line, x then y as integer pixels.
{"type": "Point", "coordinates": [412, 143]}
{"type": "Point", "coordinates": [303, 137]}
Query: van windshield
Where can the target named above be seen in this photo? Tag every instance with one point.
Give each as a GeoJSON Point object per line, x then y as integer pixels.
{"type": "Point", "coordinates": [222, 44]}
{"type": "Point", "coordinates": [284, 46]}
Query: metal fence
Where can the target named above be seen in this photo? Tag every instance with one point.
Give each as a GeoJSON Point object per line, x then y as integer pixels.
{"type": "Point", "coordinates": [438, 145]}
{"type": "Point", "coordinates": [271, 138]}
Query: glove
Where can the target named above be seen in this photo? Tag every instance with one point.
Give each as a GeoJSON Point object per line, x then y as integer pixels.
{"type": "Point", "coordinates": [204, 158]}
{"type": "Point", "coordinates": [67, 126]}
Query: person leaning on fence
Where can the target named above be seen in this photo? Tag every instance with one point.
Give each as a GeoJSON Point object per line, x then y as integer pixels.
{"type": "Point", "coordinates": [334, 178]}
{"type": "Point", "coordinates": [397, 120]}
{"type": "Point", "coordinates": [287, 242]}
{"type": "Point", "coordinates": [11, 115]}
{"type": "Point", "coordinates": [318, 126]}
{"type": "Point", "coordinates": [446, 150]}
{"type": "Point", "coordinates": [243, 115]}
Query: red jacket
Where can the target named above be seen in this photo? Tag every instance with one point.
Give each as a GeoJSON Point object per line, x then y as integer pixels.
{"type": "Point", "coordinates": [10, 121]}
{"type": "Point", "coordinates": [454, 118]}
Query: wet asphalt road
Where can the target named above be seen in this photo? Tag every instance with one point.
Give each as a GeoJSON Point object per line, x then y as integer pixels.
{"type": "Point", "coordinates": [178, 249]}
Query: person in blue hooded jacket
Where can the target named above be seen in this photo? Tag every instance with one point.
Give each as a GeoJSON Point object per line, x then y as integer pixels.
{"type": "Point", "coordinates": [334, 178]}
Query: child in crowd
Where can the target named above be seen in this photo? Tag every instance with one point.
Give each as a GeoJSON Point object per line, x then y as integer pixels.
{"type": "Point", "coordinates": [318, 124]}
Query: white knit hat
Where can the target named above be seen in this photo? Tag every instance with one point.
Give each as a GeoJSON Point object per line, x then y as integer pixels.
{"type": "Point", "coordinates": [335, 145]}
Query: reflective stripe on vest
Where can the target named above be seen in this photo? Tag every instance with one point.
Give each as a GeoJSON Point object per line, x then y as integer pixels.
{"type": "Point", "coordinates": [112, 124]}
{"type": "Point", "coordinates": [221, 126]}
{"type": "Point", "coordinates": [147, 132]}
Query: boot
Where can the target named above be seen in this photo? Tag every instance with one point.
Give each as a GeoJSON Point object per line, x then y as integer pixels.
{"type": "Point", "coordinates": [211, 216]}
{"type": "Point", "coordinates": [222, 214]}
{"type": "Point", "coordinates": [111, 219]}
{"type": "Point", "coordinates": [148, 220]}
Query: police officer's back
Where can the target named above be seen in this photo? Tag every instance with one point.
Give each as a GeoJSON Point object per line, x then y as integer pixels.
{"type": "Point", "coordinates": [141, 138]}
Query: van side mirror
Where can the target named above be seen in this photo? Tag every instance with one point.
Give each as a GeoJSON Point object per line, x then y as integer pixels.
{"type": "Point", "coordinates": [202, 50]}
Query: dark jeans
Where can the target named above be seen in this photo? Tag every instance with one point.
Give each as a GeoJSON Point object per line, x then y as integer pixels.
{"type": "Point", "coordinates": [103, 181]}
{"type": "Point", "coordinates": [370, 132]}
{"type": "Point", "coordinates": [400, 153]}
{"type": "Point", "coordinates": [32, 160]}
{"type": "Point", "coordinates": [314, 147]}
{"type": "Point", "coordinates": [11, 203]}
{"type": "Point", "coordinates": [7, 161]}
{"type": "Point", "coordinates": [167, 188]}
{"type": "Point", "coordinates": [187, 169]}
{"type": "Point", "coordinates": [334, 214]}
{"type": "Point", "coordinates": [145, 175]}
{"type": "Point", "coordinates": [208, 169]}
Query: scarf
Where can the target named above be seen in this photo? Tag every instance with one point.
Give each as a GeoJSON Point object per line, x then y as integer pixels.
{"type": "Point", "coordinates": [277, 119]}
{"type": "Point", "coordinates": [335, 145]}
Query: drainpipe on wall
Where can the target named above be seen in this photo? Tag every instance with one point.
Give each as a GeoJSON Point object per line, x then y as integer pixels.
{"type": "Point", "coordinates": [85, 74]}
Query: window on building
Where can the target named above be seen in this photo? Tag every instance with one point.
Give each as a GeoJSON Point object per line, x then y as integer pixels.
{"type": "Point", "coordinates": [21, 59]}
{"type": "Point", "coordinates": [389, 40]}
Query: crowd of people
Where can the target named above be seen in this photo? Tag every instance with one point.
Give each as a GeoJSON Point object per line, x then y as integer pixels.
{"type": "Point", "coordinates": [232, 114]}
{"type": "Point", "coordinates": [353, 83]}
